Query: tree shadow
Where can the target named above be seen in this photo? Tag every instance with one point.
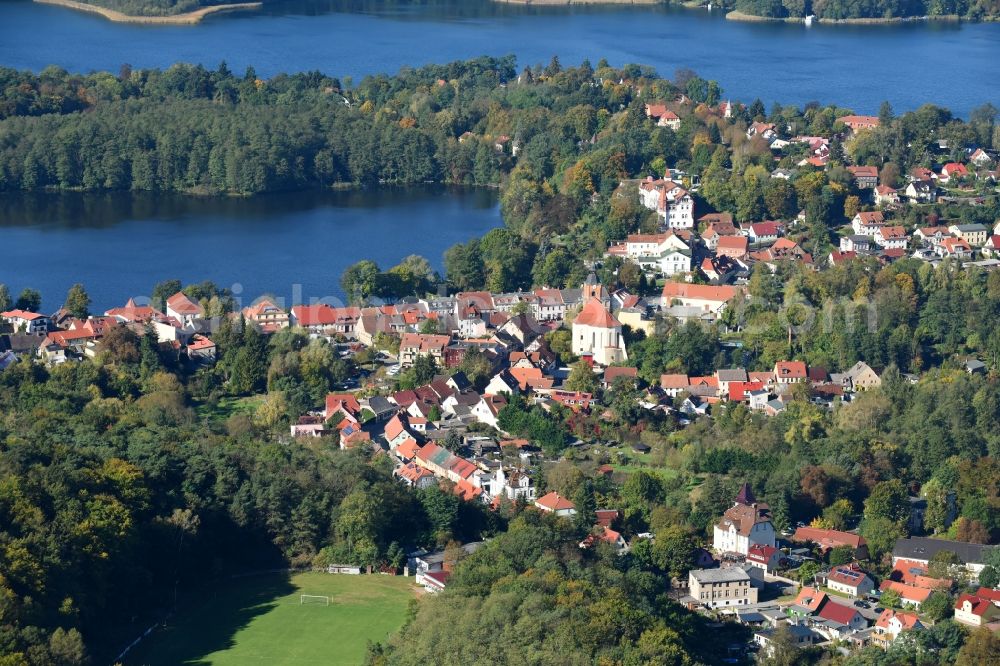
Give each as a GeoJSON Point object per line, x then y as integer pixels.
{"type": "Point", "coordinates": [210, 621]}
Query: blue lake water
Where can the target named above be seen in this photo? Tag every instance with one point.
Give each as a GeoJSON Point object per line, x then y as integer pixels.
{"type": "Point", "coordinates": [856, 66]}
{"type": "Point", "coordinates": [295, 246]}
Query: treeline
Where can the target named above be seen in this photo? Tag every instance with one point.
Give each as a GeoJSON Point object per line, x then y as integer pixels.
{"type": "Point", "coordinates": [869, 9]}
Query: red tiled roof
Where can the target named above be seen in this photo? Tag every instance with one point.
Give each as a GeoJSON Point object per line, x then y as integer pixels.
{"type": "Point", "coordinates": [466, 491]}
{"type": "Point", "coordinates": [614, 372]}
{"type": "Point", "coordinates": [810, 598]}
{"type": "Point", "coordinates": [264, 306]}
{"type": "Point", "coordinates": [674, 381]}
{"type": "Point", "coordinates": [554, 502]}
{"type": "Point", "coordinates": [979, 605]}
{"type": "Point", "coordinates": [395, 427]}
{"type": "Point", "coordinates": [408, 448]}
{"type": "Point", "coordinates": [908, 620]}
{"type": "Point", "coordinates": [462, 467]}
{"type": "Point", "coordinates": [21, 314]}
{"type": "Point", "coordinates": [738, 390]}
{"type": "Point", "coordinates": [790, 370]}
{"type": "Point", "coordinates": [847, 575]}
{"type": "Point", "coordinates": [892, 232]}
{"type": "Point", "coordinates": [606, 516]}
{"type": "Point", "coordinates": [828, 538]}
{"type": "Point", "coordinates": [906, 592]}
{"type": "Point", "coordinates": [200, 342]}
{"type": "Point", "coordinates": [413, 472]}
{"type": "Point", "coordinates": [345, 401]}
{"type": "Point", "coordinates": [183, 305]}
{"type": "Point", "coordinates": [831, 610]}
{"type": "Point", "coordinates": [859, 121]}
{"type": "Point", "coordinates": [424, 343]}
{"type": "Point", "coordinates": [871, 217]}
{"type": "Point", "coordinates": [732, 243]}
{"type": "Point", "coordinates": [764, 229]}
{"type": "Point", "coordinates": [760, 553]}
{"type": "Point", "coordinates": [595, 314]}
{"type": "Point", "coordinates": [863, 171]}
{"type": "Point", "coordinates": [324, 315]}
{"type": "Point", "coordinates": [683, 290]}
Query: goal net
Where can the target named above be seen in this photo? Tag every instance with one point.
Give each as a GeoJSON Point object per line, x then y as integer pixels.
{"type": "Point", "coordinates": [314, 599]}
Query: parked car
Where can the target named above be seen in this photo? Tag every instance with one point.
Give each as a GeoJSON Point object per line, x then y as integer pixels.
{"type": "Point", "coordinates": [862, 604]}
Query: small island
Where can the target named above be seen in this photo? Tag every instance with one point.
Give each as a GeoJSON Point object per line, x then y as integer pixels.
{"type": "Point", "coordinates": [171, 14]}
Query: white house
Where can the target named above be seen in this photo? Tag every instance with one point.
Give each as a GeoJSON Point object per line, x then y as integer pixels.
{"type": "Point", "coordinates": [866, 224]}
{"type": "Point", "coordinates": [514, 486]}
{"type": "Point", "coordinates": [666, 252]}
{"type": "Point", "coordinates": [892, 623]}
{"type": "Point", "coordinates": [921, 191]}
{"type": "Point", "coordinates": [850, 580]}
{"type": "Point", "coordinates": [746, 523]}
{"type": "Point", "coordinates": [31, 322]}
{"type": "Point", "coordinates": [973, 234]}
{"type": "Point", "coordinates": [670, 200]}
{"type": "Point", "coordinates": [891, 237]}
{"type": "Point", "coordinates": [183, 309]}
{"type": "Point", "coordinates": [978, 609]}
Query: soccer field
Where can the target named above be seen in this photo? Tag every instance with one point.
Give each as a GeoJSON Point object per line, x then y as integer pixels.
{"type": "Point", "coordinates": [259, 620]}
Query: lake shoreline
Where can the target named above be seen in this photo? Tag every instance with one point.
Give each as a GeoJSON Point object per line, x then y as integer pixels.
{"type": "Point", "coordinates": [751, 18]}
{"type": "Point", "coordinates": [187, 18]}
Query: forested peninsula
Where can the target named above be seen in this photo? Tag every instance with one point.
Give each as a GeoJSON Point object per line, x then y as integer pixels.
{"type": "Point", "coordinates": [171, 14]}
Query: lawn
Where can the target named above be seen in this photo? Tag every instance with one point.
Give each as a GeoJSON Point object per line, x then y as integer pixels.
{"type": "Point", "coordinates": [664, 472]}
{"type": "Point", "coordinates": [228, 406]}
{"type": "Point", "coordinates": [259, 620]}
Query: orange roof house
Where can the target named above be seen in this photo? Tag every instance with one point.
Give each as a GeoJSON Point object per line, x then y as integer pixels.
{"type": "Point", "coordinates": [555, 503]}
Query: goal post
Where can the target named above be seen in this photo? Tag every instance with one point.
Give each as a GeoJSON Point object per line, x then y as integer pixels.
{"type": "Point", "coordinates": [314, 600]}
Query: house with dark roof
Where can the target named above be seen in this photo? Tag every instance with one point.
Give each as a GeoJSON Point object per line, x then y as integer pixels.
{"type": "Point", "coordinates": [923, 549]}
{"type": "Point", "coordinates": [719, 588]}
{"type": "Point", "coordinates": [802, 636]}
